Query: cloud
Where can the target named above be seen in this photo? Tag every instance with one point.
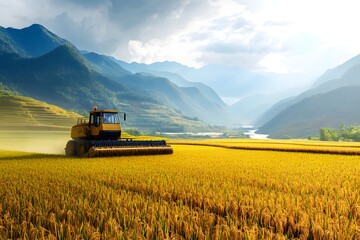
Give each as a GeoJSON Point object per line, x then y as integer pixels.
{"type": "Point", "coordinates": [245, 33]}
{"type": "Point", "coordinates": [193, 32]}
{"type": "Point", "coordinates": [221, 27]}
{"type": "Point", "coordinates": [84, 34]}
{"type": "Point", "coordinates": [109, 26]}
{"type": "Point", "coordinates": [273, 63]}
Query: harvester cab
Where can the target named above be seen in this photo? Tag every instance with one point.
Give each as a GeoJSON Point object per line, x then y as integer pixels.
{"type": "Point", "coordinates": [105, 124]}
{"type": "Point", "coordinates": [101, 136]}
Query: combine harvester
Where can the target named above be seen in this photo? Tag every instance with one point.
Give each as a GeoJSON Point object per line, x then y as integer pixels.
{"type": "Point", "coordinates": [101, 136]}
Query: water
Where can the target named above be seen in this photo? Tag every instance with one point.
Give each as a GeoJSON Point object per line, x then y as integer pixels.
{"type": "Point", "coordinates": [252, 134]}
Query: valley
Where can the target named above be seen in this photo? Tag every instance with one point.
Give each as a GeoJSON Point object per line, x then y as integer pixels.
{"type": "Point", "coordinates": [209, 120]}
{"type": "Point", "coordinates": [168, 96]}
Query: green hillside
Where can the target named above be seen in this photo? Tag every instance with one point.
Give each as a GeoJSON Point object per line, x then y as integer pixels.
{"type": "Point", "coordinates": [23, 113]}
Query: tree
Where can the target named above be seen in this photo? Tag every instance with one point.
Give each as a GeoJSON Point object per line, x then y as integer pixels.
{"type": "Point", "coordinates": [351, 133]}
{"type": "Point", "coordinates": [329, 134]}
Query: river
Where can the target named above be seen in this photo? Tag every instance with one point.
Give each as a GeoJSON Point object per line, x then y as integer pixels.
{"type": "Point", "coordinates": [252, 134]}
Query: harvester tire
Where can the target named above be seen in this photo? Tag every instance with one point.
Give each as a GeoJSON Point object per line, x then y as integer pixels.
{"type": "Point", "coordinates": [80, 148]}
{"type": "Point", "coordinates": [70, 148]}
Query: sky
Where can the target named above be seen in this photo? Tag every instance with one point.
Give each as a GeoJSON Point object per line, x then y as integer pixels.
{"type": "Point", "coordinates": [274, 36]}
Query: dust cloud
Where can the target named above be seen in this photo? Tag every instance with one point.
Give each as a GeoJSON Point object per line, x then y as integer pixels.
{"type": "Point", "coordinates": [52, 142]}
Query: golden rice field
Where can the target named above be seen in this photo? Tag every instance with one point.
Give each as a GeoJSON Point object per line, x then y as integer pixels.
{"type": "Point", "coordinates": [199, 192]}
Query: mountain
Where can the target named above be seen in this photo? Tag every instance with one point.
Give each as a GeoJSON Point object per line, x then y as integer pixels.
{"type": "Point", "coordinates": [329, 104]}
{"type": "Point", "coordinates": [243, 82]}
{"type": "Point", "coordinates": [195, 100]}
{"type": "Point", "coordinates": [187, 100]}
{"type": "Point", "coordinates": [64, 77]}
{"type": "Point", "coordinates": [338, 71]}
{"type": "Point", "coordinates": [168, 70]}
{"type": "Point", "coordinates": [275, 109]}
{"type": "Point", "coordinates": [61, 77]}
{"type": "Point", "coordinates": [206, 91]}
{"type": "Point", "coordinates": [245, 111]}
{"type": "Point", "coordinates": [344, 75]}
{"type": "Point", "coordinates": [239, 82]}
{"type": "Point", "coordinates": [305, 118]}
{"type": "Point", "coordinates": [32, 41]}
{"type": "Point", "coordinates": [104, 65]}
{"type": "Point", "coordinates": [166, 66]}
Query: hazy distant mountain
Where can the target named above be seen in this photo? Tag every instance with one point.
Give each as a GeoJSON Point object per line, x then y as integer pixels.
{"type": "Point", "coordinates": [305, 118]}
{"type": "Point", "coordinates": [275, 109]}
{"type": "Point", "coordinates": [329, 104]}
{"type": "Point", "coordinates": [349, 75]}
{"type": "Point", "coordinates": [166, 66]}
{"type": "Point", "coordinates": [195, 100]}
{"type": "Point", "coordinates": [187, 100]}
{"type": "Point", "coordinates": [169, 70]}
{"type": "Point", "coordinates": [32, 41]}
{"type": "Point", "coordinates": [338, 71]}
{"type": "Point", "coordinates": [205, 90]}
{"type": "Point", "coordinates": [239, 82]}
{"type": "Point", "coordinates": [247, 110]}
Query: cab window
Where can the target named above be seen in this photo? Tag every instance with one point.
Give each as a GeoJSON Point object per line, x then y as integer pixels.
{"type": "Point", "coordinates": [110, 118]}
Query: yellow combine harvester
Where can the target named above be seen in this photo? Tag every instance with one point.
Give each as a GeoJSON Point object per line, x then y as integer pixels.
{"type": "Point", "coordinates": [101, 136]}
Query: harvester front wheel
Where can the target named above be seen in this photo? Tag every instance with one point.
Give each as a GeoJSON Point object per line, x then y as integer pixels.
{"type": "Point", "coordinates": [70, 148]}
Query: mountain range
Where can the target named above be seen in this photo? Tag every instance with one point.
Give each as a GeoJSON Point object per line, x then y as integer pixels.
{"type": "Point", "coordinates": [191, 99]}
{"type": "Point", "coordinates": [239, 82]}
{"type": "Point", "coordinates": [171, 97]}
{"type": "Point", "coordinates": [64, 77]}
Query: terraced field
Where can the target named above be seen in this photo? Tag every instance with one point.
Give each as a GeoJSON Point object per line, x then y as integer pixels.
{"type": "Point", "coordinates": [23, 113]}
{"type": "Point", "coordinates": [210, 189]}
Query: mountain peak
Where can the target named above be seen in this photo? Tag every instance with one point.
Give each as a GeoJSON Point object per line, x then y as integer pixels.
{"type": "Point", "coordinates": [337, 72]}
{"type": "Point", "coordinates": [32, 27]}
{"type": "Point", "coordinates": [32, 41]}
{"type": "Point", "coordinates": [36, 25]}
